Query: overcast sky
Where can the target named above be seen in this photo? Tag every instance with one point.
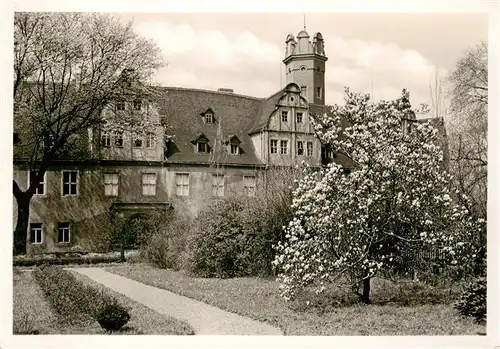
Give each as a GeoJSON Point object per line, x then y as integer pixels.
{"type": "Point", "coordinates": [382, 53]}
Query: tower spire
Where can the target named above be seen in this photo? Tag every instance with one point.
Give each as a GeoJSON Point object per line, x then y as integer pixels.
{"type": "Point", "coordinates": [304, 21]}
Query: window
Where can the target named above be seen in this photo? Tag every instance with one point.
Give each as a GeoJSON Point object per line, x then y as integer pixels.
{"type": "Point", "coordinates": [36, 233]}
{"type": "Point", "coordinates": [284, 116]}
{"type": "Point", "coordinates": [138, 142]}
{"type": "Point", "coordinates": [105, 139]}
{"type": "Point", "coordinates": [63, 233]}
{"type": "Point", "coordinates": [182, 184]}
{"type": "Point", "coordinates": [149, 184]}
{"type": "Point", "coordinates": [119, 139]}
{"type": "Point", "coordinates": [40, 186]}
{"type": "Point", "coordinates": [309, 148]}
{"type": "Point", "coordinates": [318, 92]}
{"type": "Point", "coordinates": [202, 147]}
{"type": "Point", "coordinates": [111, 184]}
{"type": "Point", "coordinates": [70, 181]}
{"type": "Point", "coordinates": [217, 185]}
{"type": "Point", "coordinates": [284, 147]}
{"type": "Point", "coordinates": [303, 90]}
{"type": "Point", "coordinates": [150, 140]}
{"type": "Point", "coordinates": [299, 117]}
{"type": "Point", "coordinates": [274, 146]}
{"type": "Point", "coordinates": [235, 149]}
{"type": "Point", "coordinates": [137, 104]}
{"type": "Point", "coordinates": [249, 185]}
{"type": "Point", "coordinates": [300, 148]}
{"type": "Point", "coordinates": [209, 118]}
{"type": "Point", "coordinates": [120, 104]}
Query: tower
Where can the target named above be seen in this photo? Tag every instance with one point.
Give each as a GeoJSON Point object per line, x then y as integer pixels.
{"type": "Point", "coordinates": [305, 65]}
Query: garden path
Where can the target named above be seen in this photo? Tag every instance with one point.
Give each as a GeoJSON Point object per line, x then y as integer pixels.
{"type": "Point", "coordinates": [203, 318]}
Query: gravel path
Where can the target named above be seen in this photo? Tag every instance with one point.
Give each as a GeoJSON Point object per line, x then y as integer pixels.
{"type": "Point", "coordinates": [203, 318]}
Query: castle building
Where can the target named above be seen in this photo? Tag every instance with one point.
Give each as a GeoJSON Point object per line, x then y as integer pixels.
{"type": "Point", "coordinates": [220, 144]}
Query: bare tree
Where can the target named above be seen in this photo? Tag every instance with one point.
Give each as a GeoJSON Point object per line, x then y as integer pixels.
{"type": "Point", "coordinates": [468, 136]}
{"type": "Point", "coordinates": [68, 67]}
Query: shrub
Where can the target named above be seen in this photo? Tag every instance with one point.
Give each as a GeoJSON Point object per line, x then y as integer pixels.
{"type": "Point", "coordinates": [166, 246]}
{"type": "Point", "coordinates": [473, 301]}
{"type": "Point", "coordinates": [112, 316]}
{"type": "Point", "coordinates": [235, 237]}
{"type": "Point", "coordinates": [72, 301]}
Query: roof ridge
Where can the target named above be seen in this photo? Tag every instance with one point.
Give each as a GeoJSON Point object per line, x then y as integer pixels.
{"type": "Point", "coordinates": [210, 91]}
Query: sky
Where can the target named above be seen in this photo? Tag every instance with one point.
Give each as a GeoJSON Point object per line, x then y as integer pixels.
{"type": "Point", "coordinates": [368, 52]}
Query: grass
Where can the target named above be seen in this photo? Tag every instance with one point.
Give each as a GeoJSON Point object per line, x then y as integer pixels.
{"type": "Point", "coordinates": [258, 299]}
{"type": "Point", "coordinates": [32, 314]}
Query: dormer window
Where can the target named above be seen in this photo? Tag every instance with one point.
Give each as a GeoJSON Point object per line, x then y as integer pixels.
{"type": "Point", "coordinates": [201, 144]}
{"type": "Point", "coordinates": [202, 147]}
{"type": "Point", "coordinates": [235, 149]}
{"type": "Point", "coordinates": [234, 145]}
{"type": "Point", "coordinates": [208, 116]}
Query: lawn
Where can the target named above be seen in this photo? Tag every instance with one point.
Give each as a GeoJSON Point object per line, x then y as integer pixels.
{"type": "Point", "coordinates": [257, 298]}
{"type": "Point", "coordinates": [32, 314]}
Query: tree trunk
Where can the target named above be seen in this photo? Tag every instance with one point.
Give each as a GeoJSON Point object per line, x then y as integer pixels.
{"type": "Point", "coordinates": [20, 233]}
{"type": "Point", "coordinates": [366, 290]}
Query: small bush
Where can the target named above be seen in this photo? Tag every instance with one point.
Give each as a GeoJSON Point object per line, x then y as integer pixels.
{"type": "Point", "coordinates": [72, 301]}
{"type": "Point", "coordinates": [473, 301]}
{"type": "Point", "coordinates": [112, 316]}
{"type": "Point", "coordinates": [165, 247]}
{"type": "Point", "coordinates": [235, 238]}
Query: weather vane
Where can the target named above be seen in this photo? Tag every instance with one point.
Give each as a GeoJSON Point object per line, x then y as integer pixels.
{"type": "Point", "coordinates": [304, 21]}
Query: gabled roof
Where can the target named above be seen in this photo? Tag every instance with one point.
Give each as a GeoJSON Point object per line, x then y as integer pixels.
{"type": "Point", "coordinates": [180, 110]}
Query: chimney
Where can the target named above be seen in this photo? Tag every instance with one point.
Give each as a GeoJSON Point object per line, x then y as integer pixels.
{"type": "Point", "coordinates": [227, 90]}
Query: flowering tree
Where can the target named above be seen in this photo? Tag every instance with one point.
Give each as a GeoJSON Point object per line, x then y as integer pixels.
{"type": "Point", "coordinates": [395, 199]}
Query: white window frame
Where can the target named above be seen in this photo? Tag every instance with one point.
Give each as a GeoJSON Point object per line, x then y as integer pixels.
{"type": "Point", "coordinates": [249, 185]}
{"type": "Point", "coordinates": [300, 147]}
{"type": "Point", "coordinates": [148, 183]}
{"type": "Point", "coordinates": [111, 185]}
{"type": "Point", "coordinates": [70, 183]}
{"type": "Point", "coordinates": [218, 184]}
{"type": "Point", "coordinates": [300, 117]}
{"type": "Point", "coordinates": [236, 149]}
{"type": "Point", "coordinates": [284, 116]}
{"type": "Point", "coordinates": [283, 146]}
{"type": "Point", "coordinates": [64, 229]}
{"type": "Point", "coordinates": [34, 230]}
{"type": "Point", "coordinates": [150, 140]}
{"type": "Point", "coordinates": [43, 182]}
{"type": "Point", "coordinates": [310, 146]}
{"type": "Point", "coordinates": [271, 147]}
{"type": "Point", "coordinates": [106, 139]}
{"type": "Point", "coordinates": [182, 184]}
{"type": "Point", "coordinates": [319, 92]}
{"type": "Point", "coordinates": [209, 118]}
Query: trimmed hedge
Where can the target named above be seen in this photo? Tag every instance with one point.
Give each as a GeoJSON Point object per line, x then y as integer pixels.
{"type": "Point", "coordinates": [72, 301]}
